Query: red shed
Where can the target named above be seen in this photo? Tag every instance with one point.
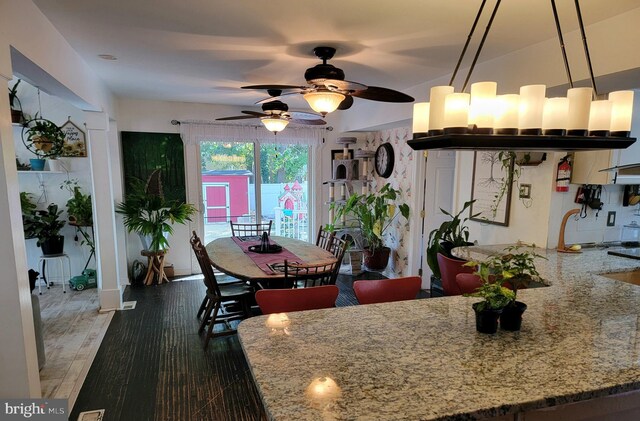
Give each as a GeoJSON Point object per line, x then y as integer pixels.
{"type": "Point", "coordinates": [225, 194]}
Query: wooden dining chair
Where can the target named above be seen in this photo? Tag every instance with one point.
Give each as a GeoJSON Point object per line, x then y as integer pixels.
{"type": "Point", "coordinates": [338, 248]}
{"type": "Point", "coordinates": [325, 238]}
{"type": "Point", "coordinates": [250, 230]}
{"type": "Point", "coordinates": [287, 300]}
{"type": "Point", "coordinates": [387, 290]}
{"type": "Point", "coordinates": [217, 295]}
{"type": "Point", "coordinates": [221, 278]}
{"type": "Point", "coordinates": [298, 275]}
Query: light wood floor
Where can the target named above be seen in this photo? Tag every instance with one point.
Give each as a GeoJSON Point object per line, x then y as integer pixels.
{"type": "Point", "coordinates": [73, 330]}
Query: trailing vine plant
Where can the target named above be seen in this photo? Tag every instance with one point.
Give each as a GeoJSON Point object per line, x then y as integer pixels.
{"type": "Point", "coordinates": [512, 168]}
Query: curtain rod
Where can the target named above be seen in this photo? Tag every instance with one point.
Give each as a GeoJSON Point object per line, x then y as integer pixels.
{"type": "Point", "coordinates": [211, 123]}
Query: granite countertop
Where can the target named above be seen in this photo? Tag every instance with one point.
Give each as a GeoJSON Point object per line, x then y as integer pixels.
{"type": "Point", "coordinates": [423, 359]}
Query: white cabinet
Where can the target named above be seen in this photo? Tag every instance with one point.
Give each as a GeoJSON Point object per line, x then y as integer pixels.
{"type": "Point", "coordinates": [587, 165]}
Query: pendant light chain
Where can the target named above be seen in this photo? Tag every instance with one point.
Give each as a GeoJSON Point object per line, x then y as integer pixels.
{"type": "Point", "coordinates": [586, 48]}
{"type": "Point", "coordinates": [561, 40]}
{"type": "Point", "coordinates": [39, 104]}
{"type": "Point", "coordinates": [484, 37]}
{"type": "Point", "coordinates": [466, 44]}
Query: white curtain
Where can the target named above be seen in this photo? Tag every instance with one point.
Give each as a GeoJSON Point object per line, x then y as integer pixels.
{"type": "Point", "coordinates": [194, 132]}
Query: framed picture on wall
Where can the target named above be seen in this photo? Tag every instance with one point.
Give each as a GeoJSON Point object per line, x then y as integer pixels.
{"type": "Point", "coordinates": [491, 188]}
{"type": "Point", "coordinates": [339, 154]}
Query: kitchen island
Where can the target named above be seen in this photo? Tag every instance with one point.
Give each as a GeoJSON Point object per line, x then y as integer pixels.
{"type": "Point", "coordinates": [424, 360]}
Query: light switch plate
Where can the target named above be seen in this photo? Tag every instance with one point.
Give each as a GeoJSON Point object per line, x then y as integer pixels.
{"type": "Point", "coordinates": [611, 218]}
{"type": "Point", "coordinates": [525, 191]}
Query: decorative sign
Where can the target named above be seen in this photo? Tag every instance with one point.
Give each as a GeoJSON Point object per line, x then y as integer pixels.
{"type": "Point", "coordinates": [75, 144]}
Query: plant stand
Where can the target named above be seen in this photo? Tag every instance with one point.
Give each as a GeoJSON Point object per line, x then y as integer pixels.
{"type": "Point", "coordinates": [155, 267]}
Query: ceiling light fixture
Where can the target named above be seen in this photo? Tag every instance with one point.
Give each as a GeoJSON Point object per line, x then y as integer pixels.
{"type": "Point", "coordinates": [324, 101]}
{"type": "Point", "coordinates": [107, 57]}
{"type": "Point", "coordinates": [275, 125]}
{"type": "Point", "coordinates": [528, 120]}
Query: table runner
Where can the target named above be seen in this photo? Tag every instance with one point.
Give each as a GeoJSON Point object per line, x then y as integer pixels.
{"type": "Point", "coordinates": [265, 261]}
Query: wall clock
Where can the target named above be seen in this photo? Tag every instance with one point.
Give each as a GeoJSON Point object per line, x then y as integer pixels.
{"type": "Point", "coordinates": [384, 160]}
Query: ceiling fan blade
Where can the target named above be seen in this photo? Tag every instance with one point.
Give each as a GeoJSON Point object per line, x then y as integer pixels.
{"type": "Point", "coordinates": [343, 85]}
{"type": "Point", "coordinates": [317, 122]}
{"type": "Point", "coordinates": [277, 87]}
{"type": "Point", "coordinates": [346, 103]}
{"type": "Point", "coordinates": [300, 115]}
{"type": "Point", "coordinates": [238, 117]}
{"type": "Point", "coordinates": [255, 113]}
{"type": "Point", "coordinates": [276, 98]}
{"type": "Point", "coordinates": [376, 93]}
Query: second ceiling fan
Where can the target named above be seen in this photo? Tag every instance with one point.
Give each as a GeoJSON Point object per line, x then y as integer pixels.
{"type": "Point", "coordinates": [327, 90]}
{"type": "Point", "coordinates": [275, 116]}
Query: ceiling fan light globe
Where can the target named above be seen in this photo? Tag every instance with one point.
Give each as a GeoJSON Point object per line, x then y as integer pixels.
{"type": "Point", "coordinates": [324, 102]}
{"type": "Point", "coordinates": [274, 124]}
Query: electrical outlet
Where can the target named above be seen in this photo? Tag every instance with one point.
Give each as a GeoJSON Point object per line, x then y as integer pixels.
{"type": "Point", "coordinates": [611, 218]}
{"type": "Point", "coordinates": [525, 191]}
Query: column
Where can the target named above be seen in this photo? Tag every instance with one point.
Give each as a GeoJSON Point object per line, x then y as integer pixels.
{"type": "Point", "coordinates": [103, 180]}
{"type": "Point", "coordinates": [19, 377]}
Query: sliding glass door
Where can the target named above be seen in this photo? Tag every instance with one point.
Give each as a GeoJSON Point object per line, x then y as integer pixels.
{"type": "Point", "coordinates": [241, 180]}
{"type": "Point", "coordinates": [284, 188]}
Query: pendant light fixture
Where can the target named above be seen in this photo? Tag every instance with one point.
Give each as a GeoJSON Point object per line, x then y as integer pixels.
{"type": "Point", "coordinates": [524, 121]}
{"type": "Point", "coordinates": [324, 101]}
{"type": "Point", "coordinates": [274, 124]}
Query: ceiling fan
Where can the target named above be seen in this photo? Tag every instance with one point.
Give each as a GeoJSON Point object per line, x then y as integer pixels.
{"type": "Point", "coordinates": [327, 90]}
{"type": "Point", "coordinates": [276, 116]}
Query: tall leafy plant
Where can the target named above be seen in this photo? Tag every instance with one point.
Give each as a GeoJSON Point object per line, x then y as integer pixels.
{"type": "Point", "coordinates": [148, 213]}
{"type": "Point", "coordinates": [450, 234]}
{"type": "Point", "coordinates": [374, 213]}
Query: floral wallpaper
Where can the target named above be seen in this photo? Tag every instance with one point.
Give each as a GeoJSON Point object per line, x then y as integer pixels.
{"type": "Point", "coordinates": [397, 235]}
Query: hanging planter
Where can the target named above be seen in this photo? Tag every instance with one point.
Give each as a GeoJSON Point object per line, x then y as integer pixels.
{"type": "Point", "coordinates": [43, 138]}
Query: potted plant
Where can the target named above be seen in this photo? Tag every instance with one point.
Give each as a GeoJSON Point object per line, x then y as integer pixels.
{"type": "Point", "coordinates": [80, 212]}
{"type": "Point", "coordinates": [450, 234]}
{"type": "Point", "coordinates": [515, 268]}
{"type": "Point", "coordinates": [14, 103]}
{"type": "Point", "coordinates": [28, 208]}
{"type": "Point", "coordinates": [43, 138]}
{"type": "Point", "coordinates": [495, 299]}
{"type": "Point", "coordinates": [149, 214]}
{"type": "Point", "coordinates": [79, 208]}
{"type": "Point", "coordinates": [374, 213]}
{"type": "Point", "coordinates": [45, 225]}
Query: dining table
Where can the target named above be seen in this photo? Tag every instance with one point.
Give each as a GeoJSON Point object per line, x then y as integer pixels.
{"type": "Point", "coordinates": [228, 256]}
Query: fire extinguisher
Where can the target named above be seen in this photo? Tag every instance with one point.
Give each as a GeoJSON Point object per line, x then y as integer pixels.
{"type": "Point", "coordinates": [564, 175]}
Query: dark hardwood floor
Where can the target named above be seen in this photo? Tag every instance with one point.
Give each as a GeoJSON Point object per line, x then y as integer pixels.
{"type": "Point", "coordinates": [151, 364]}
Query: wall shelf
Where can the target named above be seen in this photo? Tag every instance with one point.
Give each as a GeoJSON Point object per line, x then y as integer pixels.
{"type": "Point", "coordinates": [40, 172]}
{"type": "Point", "coordinates": [519, 142]}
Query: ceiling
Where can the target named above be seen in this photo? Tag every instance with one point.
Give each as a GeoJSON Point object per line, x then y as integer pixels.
{"type": "Point", "coordinates": [205, 50]}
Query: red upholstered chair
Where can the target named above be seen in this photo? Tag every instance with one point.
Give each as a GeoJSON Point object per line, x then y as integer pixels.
{"type": "Point", "coordinates": [449, 268]}
{"type": "Point", "coordinates": [386, 290]}
{"type": "Point", "coordinates": [297, 299]}
{"type": "Point", "coordinates": [467, 283]}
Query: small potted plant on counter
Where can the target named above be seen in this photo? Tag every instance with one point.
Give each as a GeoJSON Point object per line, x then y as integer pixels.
{"type": "Point", "coordinates": [516, 269]}
{"type": "Point", "coordinates": [495, 299]}
{"type": "Point", "coordinates": [374, 213]}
